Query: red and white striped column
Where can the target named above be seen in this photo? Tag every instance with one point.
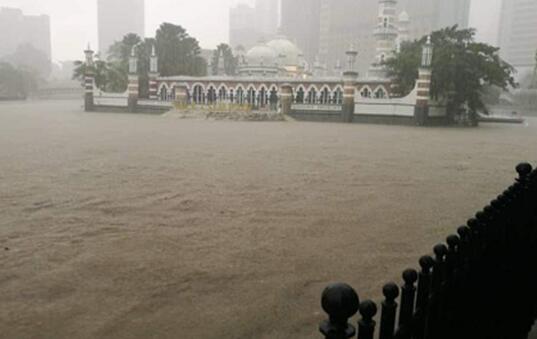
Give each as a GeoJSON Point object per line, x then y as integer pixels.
{"type": "Point", "coordinates": [153, 75]}
{"type": "Point", "coordinates": [423, 84]}
{"type": "Point", "coordinates": [349, 92]}
{"type": "Point", "coordinates": [89, 79]}
{"type": "Point", "coordinates": [133, 81]}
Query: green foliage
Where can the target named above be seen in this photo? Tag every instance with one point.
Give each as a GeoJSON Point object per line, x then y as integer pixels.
{"type": "Point", "coordinates": [230, 61]}
{"type": "Point", "coordinates": [178, 52]}
{"type": "Point", "coordinates": [28, 57]}
{"type": "Point", "coordinates": [462, 69]}
{"type": "Point", "coordinates": [16, 82]}
{"type": "Point", "coordinates": [100, 71]}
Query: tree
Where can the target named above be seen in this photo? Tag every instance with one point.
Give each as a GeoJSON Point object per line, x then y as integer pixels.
{"type": "Point", "coordinates": [179, 53]}
{"type": "Point", "coordinates": [16, 82]}
{"type": "Point", "coordinates": [28, 57]}
{"type": "Point", "coordinates": [230, 61]}
{"type": "Point", "coordinates": [462, 69]}
{"type": "Point", "coordinates": [118, 62]}
{"type": "Point", "coordinates": [100, 69]}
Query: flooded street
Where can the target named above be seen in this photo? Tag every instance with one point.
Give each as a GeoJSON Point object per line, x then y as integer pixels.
{"type": "Point", "coordinates": [141, 226]}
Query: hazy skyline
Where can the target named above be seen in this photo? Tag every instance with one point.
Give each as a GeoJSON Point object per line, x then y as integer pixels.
{"type": "Point", "coordinates": [74, 22]}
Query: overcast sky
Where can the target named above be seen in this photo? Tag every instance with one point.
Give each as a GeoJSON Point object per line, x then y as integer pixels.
{"type": "Point", "coordinates": [74, 22]}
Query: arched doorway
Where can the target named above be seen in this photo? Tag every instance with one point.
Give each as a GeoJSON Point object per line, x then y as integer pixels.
{"type": "Point", "coordinates": [299, 99]}
{"type": "Point", "coordinates": [197, 95]}
{"type": "Point", "coordinates": [273, 99]}
{"type": "Point", "coordinates": [312, 96]}
{"type": "Point", "coordinates": [211, 95]}
{"type": "Point", "coordinates": [325, 96]}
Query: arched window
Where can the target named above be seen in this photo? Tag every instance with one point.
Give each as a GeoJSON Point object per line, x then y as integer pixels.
{"type": "Point", "coordinates": [385, 22]}
{"type": "Point", "coordinates": [198, 95]}
{"type": "Point", "coordinates": [222, 94]}
{"type": "Point", "coordinates": [211, 95]}
{"type": "Point", "coordinates": [380, 93]}
{"type": "Point", "coordinates": [231, 96]}
{"type": "Point", "coordinates": [325, 96]}
{"type": "Point", "coordinates": [366, 92]}
{"type": "Point", "coordinates": [240, 96]}
{"type": "Point", "coordinates": [262, 99]}
{"type": "Point", "coordinates": [250, 96]}
{"type": "Point", "coordinates": [172, 95]}
{"type": "Point", "coordinates": [299, 99]}
{"type": "Point", "coordinates": [338, 97]}
{"type": "Point", "coordinates": [312, 96]}
{"type": "Point", "coordinates": [273, 99]}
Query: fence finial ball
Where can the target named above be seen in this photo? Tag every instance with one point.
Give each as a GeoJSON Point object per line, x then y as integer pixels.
{"type": "Point", "coordinates": [453, 241]}
{"type": "Point", "coordinates": [368, 309]}
{"type": "Point", "coordinates": [390, 291]}
{"type": "Point", "coordinates": [426, 263]}
{"type": "Point", "coordinates": [410, 276]}
{"type": "Point", "coordinates": [340, 301]}
{"type": "Point", "coordinates": [440, 251]}
{"type": "Point", "coordinates": [524, 169]}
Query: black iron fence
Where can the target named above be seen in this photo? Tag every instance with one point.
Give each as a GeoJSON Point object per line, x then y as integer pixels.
{"type": "Point", "coordinates": [481, 284]}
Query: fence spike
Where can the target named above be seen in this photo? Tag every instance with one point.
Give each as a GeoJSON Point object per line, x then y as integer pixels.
{"type": "Point", "coordinates": [406, 310]}
{"type": "Point", "coordinates": [389, 311]}
{"type": "Point", "coordinates": [366, 325]}
{"type": "Point", "coordinates": [340, 301]}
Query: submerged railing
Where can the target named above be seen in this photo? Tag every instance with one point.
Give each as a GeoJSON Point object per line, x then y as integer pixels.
{"type": "Point", "coordinates": [481, 284]}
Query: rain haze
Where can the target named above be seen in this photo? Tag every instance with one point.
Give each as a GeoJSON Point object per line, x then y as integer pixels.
{"type": "Point", "coordinates": [283, 169]}
{"type": "Point", "coordinates": [74, 21]}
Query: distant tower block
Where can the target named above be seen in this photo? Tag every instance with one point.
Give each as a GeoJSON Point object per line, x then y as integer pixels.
{"type": "Point", "coordinates": [404, 29]}
{"type": "Point", "coordinates": [386, 34]}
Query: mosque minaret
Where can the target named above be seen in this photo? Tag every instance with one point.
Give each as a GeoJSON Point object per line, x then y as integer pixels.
{"type": "Point", "coordinates": [386, 34]}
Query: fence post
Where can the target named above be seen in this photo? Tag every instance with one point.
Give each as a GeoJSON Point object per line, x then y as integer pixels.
{"type": "Point", "coordinates": [349, 90]}
{"type": "Point", "coordinates": [389, 311]}
{"type": "Point", "coordinates": [436, 296]}
{"type": "Point", "coordinates": [340, 302]}
{"type": "Point", "coordinates": [406, 311]}
{"type": "Point", "coordinates": [422, 299]}
{"type": "Point", "coordinates": [366, 326]}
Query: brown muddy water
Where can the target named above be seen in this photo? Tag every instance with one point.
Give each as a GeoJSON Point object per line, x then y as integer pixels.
{"type": "Point", "coordinates": [139, 226]}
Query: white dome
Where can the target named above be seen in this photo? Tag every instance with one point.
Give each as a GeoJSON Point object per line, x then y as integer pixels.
{"type": "Point", "coordinates": [404, 17]}
{"type": "Point", "coordinates": [287, 50]}
{"type": "Point", "coordinates": [261, 55]}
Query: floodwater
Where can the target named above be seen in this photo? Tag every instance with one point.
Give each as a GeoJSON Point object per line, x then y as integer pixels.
{"type": "Point", "coordinates": [140, 226]}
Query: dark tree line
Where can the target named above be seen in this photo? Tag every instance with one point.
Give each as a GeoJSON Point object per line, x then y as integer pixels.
{"type": "Point", "coordinates": [178, 54]}
{"type": "Point", "coordinates": [464, 71]}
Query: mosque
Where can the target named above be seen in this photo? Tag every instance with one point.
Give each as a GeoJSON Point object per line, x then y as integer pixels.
{"type": "Point", "coordinates": [263, 68]}
{"type": "Point", "coordinates": [276, 70]}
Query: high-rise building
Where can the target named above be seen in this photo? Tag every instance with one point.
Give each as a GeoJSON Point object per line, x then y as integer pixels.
{"type": "Point", "coordinates": [300, 22]}
{"type": "Point", "coordinates": [344, 23]}
{"type": "Point", "coordinates": [267, 17]}
{"type": "Point", "coordinates": [249, 25]}
{"type": "Point", "coordinates": [351, 22]}
{"type": "Point", "coordinates": [242, 26]}
{"type": "Point", "coordinates": [17, 29]}
{"type": "Point", "coordinates": [518, 34]}
{"type": "Point", "coordinates": [116, 18]}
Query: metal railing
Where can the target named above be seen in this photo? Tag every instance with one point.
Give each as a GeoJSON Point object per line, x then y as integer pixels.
{"type": "Point", "coordinates": [481, 284]}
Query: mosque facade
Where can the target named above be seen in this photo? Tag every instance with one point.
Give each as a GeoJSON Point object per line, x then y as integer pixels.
{"type": "Point", "coordinates": [275, 75]}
